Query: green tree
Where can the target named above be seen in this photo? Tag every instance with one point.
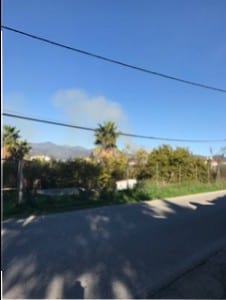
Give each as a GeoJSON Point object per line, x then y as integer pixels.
{"type": "Point", "coordinates": [171, 166]}
{"type": "Point", "coordinates": [14, 147]}
{"type": "Point", "coordinates": [159, 163]}
{"type": "Point", "coordinates": [182, 165]}
{"type": "Point", "coordinates": [113, 168]}
{"type": "Point", "coordinates": [106, 136]}
{"type": "Point", "coordinates": [141, 164]}
{"type": "Point", "coordinates": [86, 173]}
{"type": "Point", "coordinates": [10, 135]}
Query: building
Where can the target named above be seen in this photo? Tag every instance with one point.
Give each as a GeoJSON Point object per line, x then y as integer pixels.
{"type": "Point", "coordinates": [41, 158]}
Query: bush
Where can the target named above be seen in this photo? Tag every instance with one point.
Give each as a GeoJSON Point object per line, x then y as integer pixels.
{"type": "Point", "coordinates": [10, 169]}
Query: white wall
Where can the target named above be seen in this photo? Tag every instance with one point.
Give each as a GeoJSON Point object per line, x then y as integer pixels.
{"type": "Point", "coordinates": [125, 184]}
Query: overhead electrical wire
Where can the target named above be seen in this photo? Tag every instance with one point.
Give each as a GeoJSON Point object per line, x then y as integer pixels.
{"type": "Point", "coordinates": [120, 133]}
{"type": "Point", "coordinates": [47, 121]}
{"type": "Point", "coordinates": [110, 60]}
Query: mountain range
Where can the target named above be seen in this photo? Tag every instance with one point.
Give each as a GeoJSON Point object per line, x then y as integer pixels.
{"type": "Point", "coordinates": [64, 152]}
{"type": "Point", "coordinates": [61, 152]}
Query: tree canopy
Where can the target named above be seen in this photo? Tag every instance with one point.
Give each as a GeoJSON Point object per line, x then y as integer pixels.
{"type": "Point", "coordinates": [14, 147]}
{"type": "Point", "coordinates": [106, 136]}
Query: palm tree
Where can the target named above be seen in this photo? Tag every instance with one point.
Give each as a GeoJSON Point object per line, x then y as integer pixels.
{"type": "Point", "coordinates": [14, 147]}
{"type": "Point", "coordinates": [20, 150]}
{"type": "Point", "coordinates": [106, 135]}
{"type": "Point", "coordinates": [10, 138]}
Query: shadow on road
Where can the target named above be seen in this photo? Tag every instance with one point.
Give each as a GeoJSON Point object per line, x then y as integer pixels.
{"type": "Point", "coordinates": [108, 252]}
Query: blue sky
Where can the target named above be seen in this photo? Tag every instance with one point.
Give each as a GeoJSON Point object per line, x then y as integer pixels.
{"type": "Point", "coordinates": [181, 38]}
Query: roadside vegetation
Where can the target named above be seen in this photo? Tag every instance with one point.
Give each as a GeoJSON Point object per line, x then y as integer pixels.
{"type": "Point", "coordinates": [163, 172]}
{"type": "Point", "coordinates": [49, 204]}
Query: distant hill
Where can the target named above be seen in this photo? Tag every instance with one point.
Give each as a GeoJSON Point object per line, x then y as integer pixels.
{"type": "Point", "coordinates": [58, 151]}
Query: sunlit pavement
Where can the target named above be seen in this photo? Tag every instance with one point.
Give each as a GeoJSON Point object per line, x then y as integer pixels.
{"type": "Point", "coordinates": [123, 251]}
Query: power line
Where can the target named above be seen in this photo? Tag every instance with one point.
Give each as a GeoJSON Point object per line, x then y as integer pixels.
{"type": "Point", "coordinates": [114, 61]}
{"type": "Point", "coordinates": [47, 121]}
{"type": "Point", "coordinates": [120, 133]}
{"type": "Point", "coordinates": [171, 139]}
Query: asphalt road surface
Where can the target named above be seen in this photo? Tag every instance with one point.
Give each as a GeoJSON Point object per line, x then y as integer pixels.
{"type": "Point", "coordinates": [205, 281]}
{"type": "Point", "coordinates": [124, 251]}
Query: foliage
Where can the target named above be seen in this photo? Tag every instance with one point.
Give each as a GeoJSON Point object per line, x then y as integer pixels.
{"type": "Point", "coordinates": [86, 174]}
{"type": "Point", "coordinates": [9, 173]}
{"type": "Point", "coordinates": [15, 148]}
{"type": "Point", "coordinates": [140, 170]}
{"type": "Point", "coordinates": [106, 136]}
{"type": "Point", "coordinates": [168, 168]}
{"type": "Point", "coordinates": [179, 165]}
{"type": "Point", "coordinates": [149, 191]}
{"type": "Point", "coordinates": [186, 188]}
{"type": "Point", "coordinates": [223, 171]}
{"type": "Point", "coordinates": [58, 174]}
{"type": "Point", "coordinates": [113, 168]}
{"type": "Point", "coordinates": [10, 135]}
{"type": "Point", "coordinates": [163, 165]}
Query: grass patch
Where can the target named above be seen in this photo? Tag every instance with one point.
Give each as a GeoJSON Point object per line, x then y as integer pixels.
{"type": "Point", "coordinates": [174, 190]}
{"type": "Point", "coordinates": [46, 204]}
{"type": "Point", "coordinates": [148, 191]}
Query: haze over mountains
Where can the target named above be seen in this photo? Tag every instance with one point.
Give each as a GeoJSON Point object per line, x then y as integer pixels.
{"type": "Point", "coordinates": [61, 152]}
{"type": "Point", "coordinates": [64, 152]}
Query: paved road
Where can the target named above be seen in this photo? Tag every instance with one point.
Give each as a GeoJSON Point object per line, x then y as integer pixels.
{"type": "Point", "coordinates": [121, 251]}
{"type": "Point", "coordinates": [206, 281]}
